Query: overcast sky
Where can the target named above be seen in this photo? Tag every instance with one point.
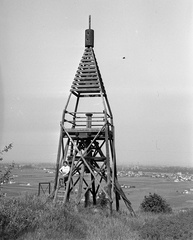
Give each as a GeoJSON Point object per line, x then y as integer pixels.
{"type": "Point", "coordinates": [150, 91]}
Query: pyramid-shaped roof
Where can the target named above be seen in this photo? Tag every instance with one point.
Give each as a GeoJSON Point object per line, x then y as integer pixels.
{"type": "Point", "coordinates": [88, 81]}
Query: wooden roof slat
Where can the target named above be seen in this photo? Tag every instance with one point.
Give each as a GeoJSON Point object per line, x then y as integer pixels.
{"type": "Point", "coordinates": [86, 75]}
{"type": "Point", "coordinates": [89, 63]}
{"type": "Point", "coordinates": [85, 82]}
{"type": "Point", "coordinates": [84, 90]}
{"type": "Point", "coordinates": [87, 71]}
{"type": "Point", "coordinates": [76, 87]}
{"type": "Point", "coordinates": [85, 86]}
{"type": "Point", "coordinates": [76, 84]}
{"type": "Point", "coordinates": [87, 66]}
{"type": "Point", "coordinates": [87, 60]}
{"type": "Point", "coordinates": [87, 55]}
{"type": "Point", "coordinates": [86, 79]}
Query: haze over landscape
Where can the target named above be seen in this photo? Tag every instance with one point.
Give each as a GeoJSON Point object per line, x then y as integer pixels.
{"type": "Point", "coordinates": [145, 55]}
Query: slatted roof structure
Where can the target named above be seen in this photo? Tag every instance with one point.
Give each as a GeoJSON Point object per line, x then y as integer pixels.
{"type": "Point", "coordinates": [87, 138]}
{"type": "Point", "coordinates": [88, 81]}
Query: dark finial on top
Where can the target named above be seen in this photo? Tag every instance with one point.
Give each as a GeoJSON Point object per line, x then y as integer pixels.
{"type": "Point", "coordinates": [89, 35]}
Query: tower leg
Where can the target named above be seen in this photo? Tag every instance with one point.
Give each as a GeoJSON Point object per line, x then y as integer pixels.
{"type": "Point", "coordinates": [108, 169]}
{"type": "Point", "coordinates": [80, 184]}
{"type": "Point", "coordinates": [66, 196]}
{"type": "Point", "coordinates": [87, 197]}
{"type": "Point", "coordinates": [93, 190]}
{"type": "Point", "coordinates": [58, 159]}
{"type": "Point", "coordinates": [117, 197]}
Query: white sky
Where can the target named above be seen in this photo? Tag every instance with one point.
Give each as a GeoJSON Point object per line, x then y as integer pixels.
{"type": "Point", "coordinates": [150, 91]}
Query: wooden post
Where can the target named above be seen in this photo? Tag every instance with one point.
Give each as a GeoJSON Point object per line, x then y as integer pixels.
{"type": "Point", "coordinates": [80, 184]}
{"type": "Point", "coordinates": [66, 195]}
{"type": "Point", "coordinates": [108, 164]}
{"type": "Point", "coordinates": [58, 159]}
{"type": "Point", "coordinates": [93, 190]}
{"type": "Point", "coordinates": [87, 197]}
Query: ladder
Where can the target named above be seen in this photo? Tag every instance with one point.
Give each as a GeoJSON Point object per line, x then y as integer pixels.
{"type": "Point", "coordinates": [60, 192]}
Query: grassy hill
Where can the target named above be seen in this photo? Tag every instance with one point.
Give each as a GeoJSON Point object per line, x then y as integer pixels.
{"type": "Point", "coordinates": [30, 217]}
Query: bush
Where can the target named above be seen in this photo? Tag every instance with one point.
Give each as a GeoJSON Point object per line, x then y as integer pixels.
{"type": "Point", "coordinates": [102, 201]}
{"type": "Point", "coordinates": [156, 204]}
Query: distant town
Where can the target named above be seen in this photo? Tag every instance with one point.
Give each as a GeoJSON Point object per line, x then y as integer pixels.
{"type": "Point", "coordinates": [171, 173]}
{"type": "Point", "coordinates": [175, 174]}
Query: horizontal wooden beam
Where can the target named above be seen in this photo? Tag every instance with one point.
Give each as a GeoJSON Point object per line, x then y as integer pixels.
{"type": "Point", "coordinates": [85, 63]}
{"type": "Point", "coordinates": [85, 90]}
{"type": "Point", "coordinates": [87, 75]}
{"type": "Point", "coordinates": [87, 60]}
{"type": "Point", "coordinates": [90, 95]}
{"type": "Point", "coordinates": [78, 78]}
{"type": "Point", "coordinates": [87, 71]}
{"type": "Point", "coordinates": [89, 67]}
{"type": "Point", "coordinates": [86, 82]}
{"type": "Point", "coordinates": [88, 86]}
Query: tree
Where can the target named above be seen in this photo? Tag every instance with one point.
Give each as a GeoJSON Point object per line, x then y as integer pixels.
{"type": "Point", "coordinates": [156, 204]}
{"type": "Point", "coordinates": [5, 175]}
{"type": "Point", "coordinates": [6, 149]}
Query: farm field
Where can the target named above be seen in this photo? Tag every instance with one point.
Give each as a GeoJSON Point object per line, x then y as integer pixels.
{"type": "Point", "coordinates": [171, 191]}
{"type": "Point", "coordinates": [27, 180]}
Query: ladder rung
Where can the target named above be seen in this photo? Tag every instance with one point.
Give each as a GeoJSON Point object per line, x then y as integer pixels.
{"type": "Point", "coordinates": [61, 191]}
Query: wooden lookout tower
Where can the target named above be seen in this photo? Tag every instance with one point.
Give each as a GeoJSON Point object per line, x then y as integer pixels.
{"type": "Point", "coordinates": [87, 137]}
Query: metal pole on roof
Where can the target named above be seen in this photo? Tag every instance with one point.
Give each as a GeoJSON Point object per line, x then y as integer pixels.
{"type": "Point", "coordinates": [89, 21]}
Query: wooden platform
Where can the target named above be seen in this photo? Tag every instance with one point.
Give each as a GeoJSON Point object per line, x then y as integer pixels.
{"type": "Point", "coordinates": [87, 133]}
